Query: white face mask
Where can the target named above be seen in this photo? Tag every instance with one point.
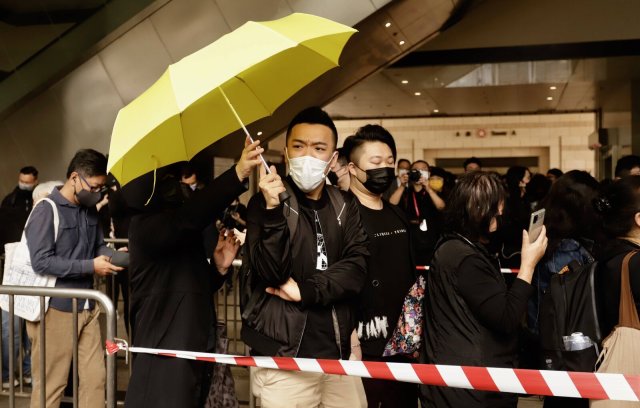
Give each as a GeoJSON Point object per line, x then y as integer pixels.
{"type": "Point", "coordinates": [402, 172]}
{"type": "Point", "coordinates": [308, 172]}
{"type": "Point", "coordinates": [25, 186]}
{"type": "Point", "coordinates": [193, 186]}
{"type": "Point", "coordinates": [425, 174]}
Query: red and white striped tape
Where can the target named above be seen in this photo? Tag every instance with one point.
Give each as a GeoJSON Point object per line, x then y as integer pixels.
{"type": "Point", "coordinates": [503, 270]}
{"type": "Point", "coordinates": [536, 382]}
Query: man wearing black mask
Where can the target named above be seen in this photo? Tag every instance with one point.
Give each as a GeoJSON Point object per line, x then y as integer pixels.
{"type": "Point", "coordinates": [390, 269]}
{"type": "Point", "coordinates": [73, 257]}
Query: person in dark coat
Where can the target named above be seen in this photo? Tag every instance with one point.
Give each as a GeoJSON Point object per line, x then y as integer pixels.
{"type": "Point", "coordinates": [21, 197]}
{"type": "Point", "coordinates": [172, 283]}
{"type": "Point", "coordinates": [472, 317]}
{"type": "Point", "coordinates": [619, 206]}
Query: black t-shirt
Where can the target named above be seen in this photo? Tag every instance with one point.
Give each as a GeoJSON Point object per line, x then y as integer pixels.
{"type": "Point", "coordinates": [319, 337]}
{"type": "Point", "coordinates": [389, 277]}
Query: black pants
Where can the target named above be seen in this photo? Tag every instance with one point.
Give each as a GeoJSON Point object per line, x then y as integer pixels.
{"type": "Point", "coordinates": [386, 393]}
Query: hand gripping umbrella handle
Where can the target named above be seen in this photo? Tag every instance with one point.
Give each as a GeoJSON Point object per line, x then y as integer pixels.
{"type": "Point", "coordinates": [284, 196]}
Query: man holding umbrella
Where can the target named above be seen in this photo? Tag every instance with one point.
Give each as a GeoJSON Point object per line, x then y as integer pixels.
{"type": "Point", "coordinates": [172, 284]}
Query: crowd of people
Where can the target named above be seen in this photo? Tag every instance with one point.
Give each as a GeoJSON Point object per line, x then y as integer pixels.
{"type": "Point", "coordinates": [335, 271]}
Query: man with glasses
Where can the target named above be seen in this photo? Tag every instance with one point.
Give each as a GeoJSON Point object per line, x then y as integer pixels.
{"type": "Point", "coordinates": [73, 257]}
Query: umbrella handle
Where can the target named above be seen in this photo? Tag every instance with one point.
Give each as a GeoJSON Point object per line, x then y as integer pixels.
{"type": "Point", "coordinates": [284, 196]}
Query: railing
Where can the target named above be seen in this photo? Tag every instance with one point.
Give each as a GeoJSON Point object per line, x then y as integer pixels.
{"type": "Point", "coordinates": [75, 294]}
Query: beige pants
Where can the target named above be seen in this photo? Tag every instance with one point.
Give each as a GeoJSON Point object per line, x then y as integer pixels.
{"type": "Point", "coordinates": [277, 388]}
{"type": "Point", "coordinates": [59, 355]}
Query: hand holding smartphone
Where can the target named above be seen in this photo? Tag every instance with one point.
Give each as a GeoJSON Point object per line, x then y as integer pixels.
{"type": "Point", "coordinates": [536, 222]}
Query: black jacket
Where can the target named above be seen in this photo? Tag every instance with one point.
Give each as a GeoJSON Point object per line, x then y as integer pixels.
{"type": "Point", "coordinates": [172, 287]}
{"type": "Point", "coordinates": [472, 318]}
{"type": "Point", "coordinates": [20, 199]}
{"type": "Point", "coordinates": [272, 326]}
{"type": "Point", "coordinates": [608, 282]}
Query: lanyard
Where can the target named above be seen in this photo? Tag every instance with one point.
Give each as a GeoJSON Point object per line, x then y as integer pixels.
{"type": "Point", "coordinates": [415, 204]}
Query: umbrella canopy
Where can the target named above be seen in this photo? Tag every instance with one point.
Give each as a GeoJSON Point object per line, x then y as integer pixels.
{"type": "Point", "coordinates": [258, 66]}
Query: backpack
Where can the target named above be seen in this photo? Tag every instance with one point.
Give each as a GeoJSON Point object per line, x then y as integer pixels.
{"type": "Point", "coordinates": [569, 306]}
{"type": "Point", "coordinates": [249, 296]}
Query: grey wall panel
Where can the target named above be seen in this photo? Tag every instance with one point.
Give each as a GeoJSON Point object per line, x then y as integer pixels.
{"type": "Point", "coordinates": [238, 12]}
{"type": "Point", "coordinates": [185, 26]}
{"type": "Point", "coordinates": [379, 3]}
{"type": "Point", "coordinates": [90, 103]}
{"type": "Point", "coordinates": [345, 12]}
{"type": "Point", "coordinates": [39, 131]}
{"type": "Point", "coordinates": [135, 60]}
{"type": "Point", "coordinates": [11, 160]}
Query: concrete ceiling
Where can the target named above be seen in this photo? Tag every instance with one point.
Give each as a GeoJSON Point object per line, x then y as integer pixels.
{"type": "Point", "coordinates": [504, 57]}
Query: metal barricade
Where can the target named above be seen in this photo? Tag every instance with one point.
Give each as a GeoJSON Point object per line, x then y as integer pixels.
{"type": "Point", "coordinates": [75, 294]}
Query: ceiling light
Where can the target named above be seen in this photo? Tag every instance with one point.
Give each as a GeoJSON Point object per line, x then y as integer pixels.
{"type": "Point", "coordinates": [436, 111]}
{"type": "Point", "coordinates": [388, 25]}
{"type": "Point", "coordinates": [417, 93]}
{"type": "Point", "coordinates": [259, 133]}
{"type": "Point", "coordinates": [549, 98]}
{"type": "Point", "coordinates": [404, 81]}
{"type": "Point", "coordinates": [401, 42]}
{"type": "Point", "coordinates": [553, 87]}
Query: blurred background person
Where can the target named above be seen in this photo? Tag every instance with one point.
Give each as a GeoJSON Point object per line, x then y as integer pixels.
{"type": "Point", "coordinates": [401, 180]}
{"type": "Point", "coordinates": [627, 166]}
{"type": "Point", "coordinates": [472, 316]}
{"type": "Point", "coordinates": [554, 174]}
{"type": "Point", "coordinates": [21, 197]}
{"type": "Point", "coordinates": [423, 207]}
{"type": "Point", "coordinates": [620, 210]}
{"type": "Point", "coordinates": [537, 189]}
{"type": "Point", "coordinates": [517, 210]}
{"type": "Point", "coordinates": [472, 164]}
{"type": "Point", "coordinates": [339, 174]}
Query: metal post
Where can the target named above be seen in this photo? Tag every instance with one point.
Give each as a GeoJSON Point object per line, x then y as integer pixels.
{"type": "Point", "coordinates": [12, 396]}
{"type": "Point", "coordinates": [43, 374]}
{"type": "Point", "coordinates": [107, 307]}
{"type": "Point", "coordinates": [74, 330]}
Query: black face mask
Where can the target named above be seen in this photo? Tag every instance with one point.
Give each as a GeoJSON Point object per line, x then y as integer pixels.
{"type": "Point", "coordinates": [333, 178]}
{"type": "Point", "coordinates": [379, 180]}
{"type": "Point", "coordinates": [88, 198]}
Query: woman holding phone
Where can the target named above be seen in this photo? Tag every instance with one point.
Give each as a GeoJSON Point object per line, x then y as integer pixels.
{"type": "Point", "coordinates": [472, 316]}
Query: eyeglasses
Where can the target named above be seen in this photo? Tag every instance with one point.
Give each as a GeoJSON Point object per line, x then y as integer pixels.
{"type": "Point", "coordinates": [94, 189]}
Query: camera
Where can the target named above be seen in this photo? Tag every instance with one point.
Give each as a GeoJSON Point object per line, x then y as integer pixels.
{"type": "Point", "coordinates": [414, 175]}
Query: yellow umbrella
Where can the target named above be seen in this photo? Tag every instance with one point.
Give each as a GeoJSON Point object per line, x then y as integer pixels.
{"type": "Point", "coordinates": [257, 66]}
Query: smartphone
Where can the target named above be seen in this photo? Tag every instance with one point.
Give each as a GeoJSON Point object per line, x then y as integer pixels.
{"type": "Point", "coordinates": [535, 224]}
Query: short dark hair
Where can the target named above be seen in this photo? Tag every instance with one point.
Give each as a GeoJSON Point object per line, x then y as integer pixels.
{"type": "Point", "coordinates": [367, 134]}
{"type": "Point", "coordinates": [420, 161]}
{"type": "Point", "coordinates": [625, 164]}
{"type": "Point", "coordinates": [555, 172]}
{"type": "Point", "coordinates": [618, 206]}
{"type": "Point", "coordinates": [470, 160]}
{"type": "Point", "coordinates": [187, 170]}
{"type": "Point", "coordinates": [314, 116]}
{"type": "Point", "coordinates": [342, 156]}
{"type": "Point", "coordinates": [569, 208]}
{"type": "Point", "coordinates": [89, 163]}
{"type": "Point", "coordinates": [29, 170]}
{"type": "Point", "coordinates": [474, 201]}
{"type": "Point", "coordinates": [403, 161]}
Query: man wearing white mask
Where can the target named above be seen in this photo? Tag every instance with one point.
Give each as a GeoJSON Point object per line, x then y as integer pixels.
{"type": "Point", "coordinates": [21, 198]}
{"type": "Point", "coordinates": [305, 264]}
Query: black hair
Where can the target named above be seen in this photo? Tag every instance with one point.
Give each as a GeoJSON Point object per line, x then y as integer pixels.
{"type": "Point", "coordinates": [514, 175]}
{"type": "Point", "coordinates": [29, 170]}
{"type": "Point", "coordinates": [555, 172]}
{"type": "Point", "coordinates": [420, 161]}
{"type": "Point", "coordinates": [625, 164]}
{"type": "Point", "coordinates": [366, 134]}
{"type": "Point", "coordinates": [187, 170]}
{"type": "Point", "coordinates": [471, 160]}
{"type": "Point", "coordinates": [88, 163]}
{"type": "Point", "coordinates": [538, 187]}
{"type": "Point", "coordinates": [473, 203]}
{"type": "Point", "coordinates": [618, 206]}
{"type": "Point", "coordinates": [314, 116]}
{"type": "Point", "coordinates": [342, 156]}
{"type": "Point", "coordinates": [569, 209]}
{"type": "Point", "coordinates": [403, 161]}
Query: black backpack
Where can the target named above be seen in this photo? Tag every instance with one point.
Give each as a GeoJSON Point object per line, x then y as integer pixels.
{"type": "Point", "coordinates": [568, 306]}
{"type": "Point", "coordinates": [250, 294]}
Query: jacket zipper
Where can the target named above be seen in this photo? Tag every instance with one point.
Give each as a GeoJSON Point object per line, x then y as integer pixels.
{"type": "Point", "coordinates": [306, 315]}
{"type": "Point", "coordinates": [336, 329]}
